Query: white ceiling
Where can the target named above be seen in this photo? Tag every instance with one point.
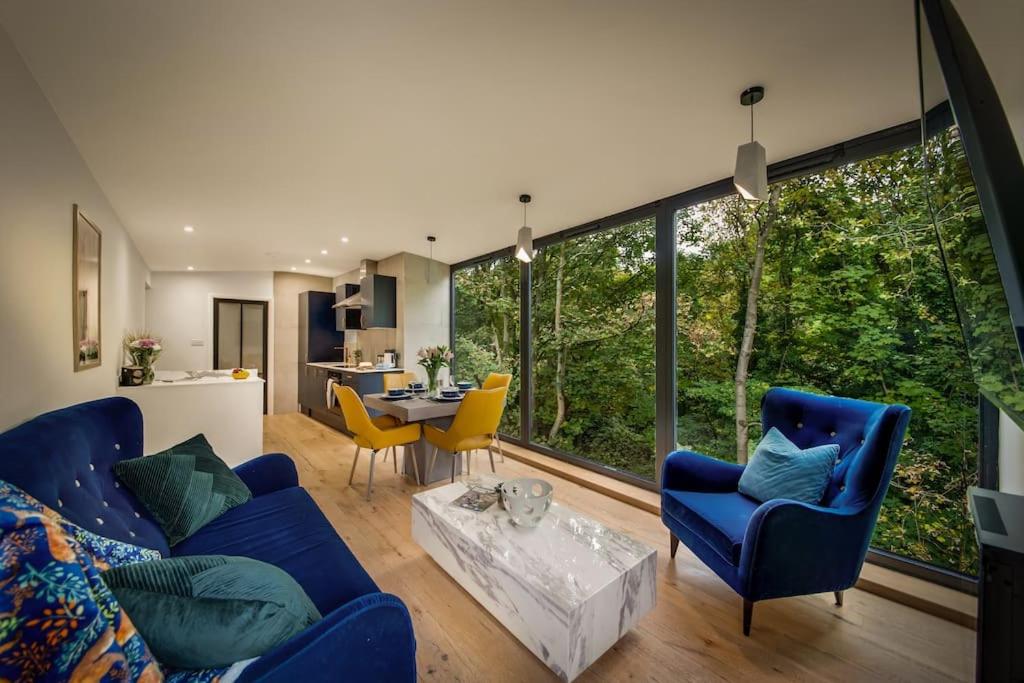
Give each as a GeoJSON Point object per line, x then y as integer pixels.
{"type": "Point", "coordinates": [276, 128]}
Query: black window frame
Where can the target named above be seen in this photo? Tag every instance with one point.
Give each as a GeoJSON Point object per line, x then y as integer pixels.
{"type": "Point", "coordinates": [888, 140]}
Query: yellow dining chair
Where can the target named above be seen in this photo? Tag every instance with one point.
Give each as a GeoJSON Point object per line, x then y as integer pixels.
{"type": "Point", "coordinates": [398, 380]}
{"type": "Point", "coordinates": [374, 433]}
{"type": "Point", "coordinates": [493, 381]}
{"type": "Point", "coordinates": [474, 426]}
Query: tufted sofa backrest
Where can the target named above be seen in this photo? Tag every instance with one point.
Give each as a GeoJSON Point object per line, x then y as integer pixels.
{"type": "Point", "coordinates": [65, 459]}
{"type": "Point", "coordinates": [869, 435]}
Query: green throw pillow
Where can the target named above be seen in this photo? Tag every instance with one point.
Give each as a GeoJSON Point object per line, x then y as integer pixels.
{"type": "Point", "coordinates": [210, 611]}
{"type": "Point", "coordinates": [185, 487]}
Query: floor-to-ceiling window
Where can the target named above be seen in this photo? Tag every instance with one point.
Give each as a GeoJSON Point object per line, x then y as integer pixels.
{"type": "Point", "coordinates": [486, 310]}
{"type": "Point", "coordinates": [853, 301]}
{"type": "Point", "coordinates": [593, 333]}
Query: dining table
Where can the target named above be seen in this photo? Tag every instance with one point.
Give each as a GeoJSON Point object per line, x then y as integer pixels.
{"type": "Point", "coordinates": [425, 410]}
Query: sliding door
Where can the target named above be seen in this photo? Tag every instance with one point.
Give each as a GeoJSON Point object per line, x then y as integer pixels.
{"type": "Point", "coordinates": [240, 337]}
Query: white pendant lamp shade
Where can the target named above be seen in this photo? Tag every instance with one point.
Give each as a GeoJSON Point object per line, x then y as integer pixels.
{"type": "Point", "coordinates": [524, 240]}
{"type": "Point", "coordinates": [751, 178]}
{"type": "Point", "coordinates": [524, 244]}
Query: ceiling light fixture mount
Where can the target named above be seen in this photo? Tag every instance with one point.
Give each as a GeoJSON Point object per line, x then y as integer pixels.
{"type": "Point", "coordinates": [751, 176]}
{"type": "Point", "coordinates": [524, 240]}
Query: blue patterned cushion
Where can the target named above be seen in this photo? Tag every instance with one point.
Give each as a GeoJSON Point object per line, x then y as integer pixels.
{"type": "Point", "coordinates": [106, 553]}
{"type": "Point", "coordinates": [780, 469]}
{"type": "Point", "coordinates": [58, 621]}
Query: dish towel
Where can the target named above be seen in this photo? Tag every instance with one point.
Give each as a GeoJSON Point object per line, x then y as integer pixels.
{"type": "Point", "coordinates": [330, 393]}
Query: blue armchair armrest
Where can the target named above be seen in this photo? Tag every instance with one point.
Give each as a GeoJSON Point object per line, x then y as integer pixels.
{"type": "Point", "coordinates": [793, 548]}
{"type": "Point", "coordinates": [368, 639]}
{"type": "Point", "coordinates": [268, 473]}
{"type": "Point", "coordinates": [689, 471]}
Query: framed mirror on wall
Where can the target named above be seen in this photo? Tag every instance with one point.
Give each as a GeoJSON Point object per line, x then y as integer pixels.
{"type": "Point", "coordinates": [87, 257]}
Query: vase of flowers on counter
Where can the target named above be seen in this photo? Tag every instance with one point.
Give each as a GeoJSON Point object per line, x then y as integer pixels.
{"type": "Point", "coordinates": [143, 349]}
{"type": "Point", "coordinates": [433, 358]}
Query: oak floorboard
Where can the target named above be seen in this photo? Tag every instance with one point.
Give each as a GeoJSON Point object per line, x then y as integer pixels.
{"type": "Point", "coordinates": [693, 634]}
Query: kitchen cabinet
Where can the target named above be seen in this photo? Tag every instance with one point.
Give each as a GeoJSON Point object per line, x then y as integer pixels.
{"type": "Point", "coordinates": [361, 382]}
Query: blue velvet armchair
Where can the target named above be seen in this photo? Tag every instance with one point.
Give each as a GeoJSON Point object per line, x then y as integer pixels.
{"type": "Point", "coordinates": [782, 548]}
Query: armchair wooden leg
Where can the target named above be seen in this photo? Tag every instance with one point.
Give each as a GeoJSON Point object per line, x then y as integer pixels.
{"type": "Point", "coordinates": [354, 461]}
{"type": "Point", "coordinates": [673, 544]}
{"type": "Point", "coordinates": [839, 598]}
{"type": "Point", "coordinates": [748, 611]}
{"type": "Point", "coordinates": [369, 484]}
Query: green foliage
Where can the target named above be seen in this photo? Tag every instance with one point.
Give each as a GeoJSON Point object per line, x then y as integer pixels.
{"type": "Point", "coordinates": [854, 302]}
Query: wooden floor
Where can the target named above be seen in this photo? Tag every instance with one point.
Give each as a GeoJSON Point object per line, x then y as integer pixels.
{"type": "Point", "coordinates": [693, 633]}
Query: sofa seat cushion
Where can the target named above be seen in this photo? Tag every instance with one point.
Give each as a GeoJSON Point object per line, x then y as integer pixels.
{"type": "Point", "coordinates": [719, 518]}
{"type": "Point", "coordinates": [286, 529]}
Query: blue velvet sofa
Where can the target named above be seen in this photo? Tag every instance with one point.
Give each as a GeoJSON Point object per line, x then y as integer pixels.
{"type": "Point", "coordinates": [65, 459]}
{"type": "Point", "coordinates": [782, 548]}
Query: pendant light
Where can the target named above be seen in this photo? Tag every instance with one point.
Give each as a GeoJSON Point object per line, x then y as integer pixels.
{"type": "Point", "coordinates": [430, 263]}
{"type": "Point", "coordinates": [751, 178]}
{"type": "Point", "coordinates": [524, 241]}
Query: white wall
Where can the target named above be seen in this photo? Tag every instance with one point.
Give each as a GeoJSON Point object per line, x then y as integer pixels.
{"type": "Point", "coordinates": [179, 309]}
{"type": "Point", "coordinates": [41, 176]}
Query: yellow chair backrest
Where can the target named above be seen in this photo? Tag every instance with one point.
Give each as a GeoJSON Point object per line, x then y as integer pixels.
{"type": "Point", "coordinates": [496, 380]}
{"type": "Point", "coordinates": [356, 418]}
{"type": "Point", "coordinates": [398, 380]}
{"type": "Point", "coordinates": [478, 414]}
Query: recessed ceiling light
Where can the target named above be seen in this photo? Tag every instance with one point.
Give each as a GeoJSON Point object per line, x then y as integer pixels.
{"type": "Point", "coordinates": [323, 252]}
{"type": "Point", "coordinates": [190, 268]}
{"type": "Point", "coordinates": [344, 239]}
{"type": "Point", "coordinates": [308, 261]}
{"type": "Point", "coordinates": [294, 268]}
{"type": "Point", "coordinates": [189, 228]}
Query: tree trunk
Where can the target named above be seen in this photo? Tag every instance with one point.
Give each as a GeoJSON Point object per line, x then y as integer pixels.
{"type": "Point", "coordinates": [559, 349]}
{"type": "Point", "coordinates": [764, 226]}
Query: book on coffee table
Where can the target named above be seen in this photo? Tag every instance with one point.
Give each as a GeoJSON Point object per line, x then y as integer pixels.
{"type": "Point", "coordinates": [476, 500]}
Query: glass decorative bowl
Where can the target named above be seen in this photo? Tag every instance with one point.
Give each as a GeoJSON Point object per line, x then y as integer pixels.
{"type": "Point", "coordinates": [526, 500]}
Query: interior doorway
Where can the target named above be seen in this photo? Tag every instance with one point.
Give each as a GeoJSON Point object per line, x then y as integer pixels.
{"type": "Point", "coordinates": [240, 337]}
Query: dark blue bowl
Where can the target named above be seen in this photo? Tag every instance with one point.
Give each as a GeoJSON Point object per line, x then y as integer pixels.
{"type": "Point", "coordinates": [396, 392]}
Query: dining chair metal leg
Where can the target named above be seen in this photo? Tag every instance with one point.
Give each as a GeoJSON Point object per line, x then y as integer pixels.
{"type": "Point", "coordinates": [490, 454]}
{"type": "Point", "coordinates": [369, 484]}
{"type": "Point", "coordinates": [394, 458]}
{"type": "Point", "coordinates": [385, 458]}
{"type": "Point", "coordinates": [454, 455]}
{"type": "Point", "coordinates": [415, 466]}
{"type": "Point", "coordinates": [354, 461]}
{"type": "Point", "coordinates": [433, 461]}
{"type": "Point", "coordinates": [497, 439]}
{"type": "Point", "coordinates": [469, 461]}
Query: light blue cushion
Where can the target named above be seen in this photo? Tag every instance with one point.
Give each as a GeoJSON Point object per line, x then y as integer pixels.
{"type": "Point", "coordinates": [780, 469]}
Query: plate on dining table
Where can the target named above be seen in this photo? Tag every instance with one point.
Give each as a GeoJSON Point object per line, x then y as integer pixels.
{"type": "Point", "coordinates": [397, 397]}
{"type": "Point", "coordinates": [448, 399]}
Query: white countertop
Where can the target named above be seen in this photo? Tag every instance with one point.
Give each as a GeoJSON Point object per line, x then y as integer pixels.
{"type": "Point", "coordinates": [338, 367]}
{"type": "Point", "coordinates": [179, 378]}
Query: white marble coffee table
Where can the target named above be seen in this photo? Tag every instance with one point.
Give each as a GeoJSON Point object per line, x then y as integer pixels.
{"type": "Point", "coordinates": [567, 589]}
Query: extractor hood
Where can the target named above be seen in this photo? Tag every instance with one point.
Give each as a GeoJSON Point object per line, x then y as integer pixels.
{"type": "Point", "coordinates": [367, 268]}
{"type": "Point", "coordinates": [375, 298]}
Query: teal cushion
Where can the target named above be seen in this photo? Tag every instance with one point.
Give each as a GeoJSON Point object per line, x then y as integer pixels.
{"type": "Point", "coordinates": [184, 487]}
{"type": "Point", "coordinates": [209, 611]}
{"type": "Point", "coordinates": [780, 469]}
